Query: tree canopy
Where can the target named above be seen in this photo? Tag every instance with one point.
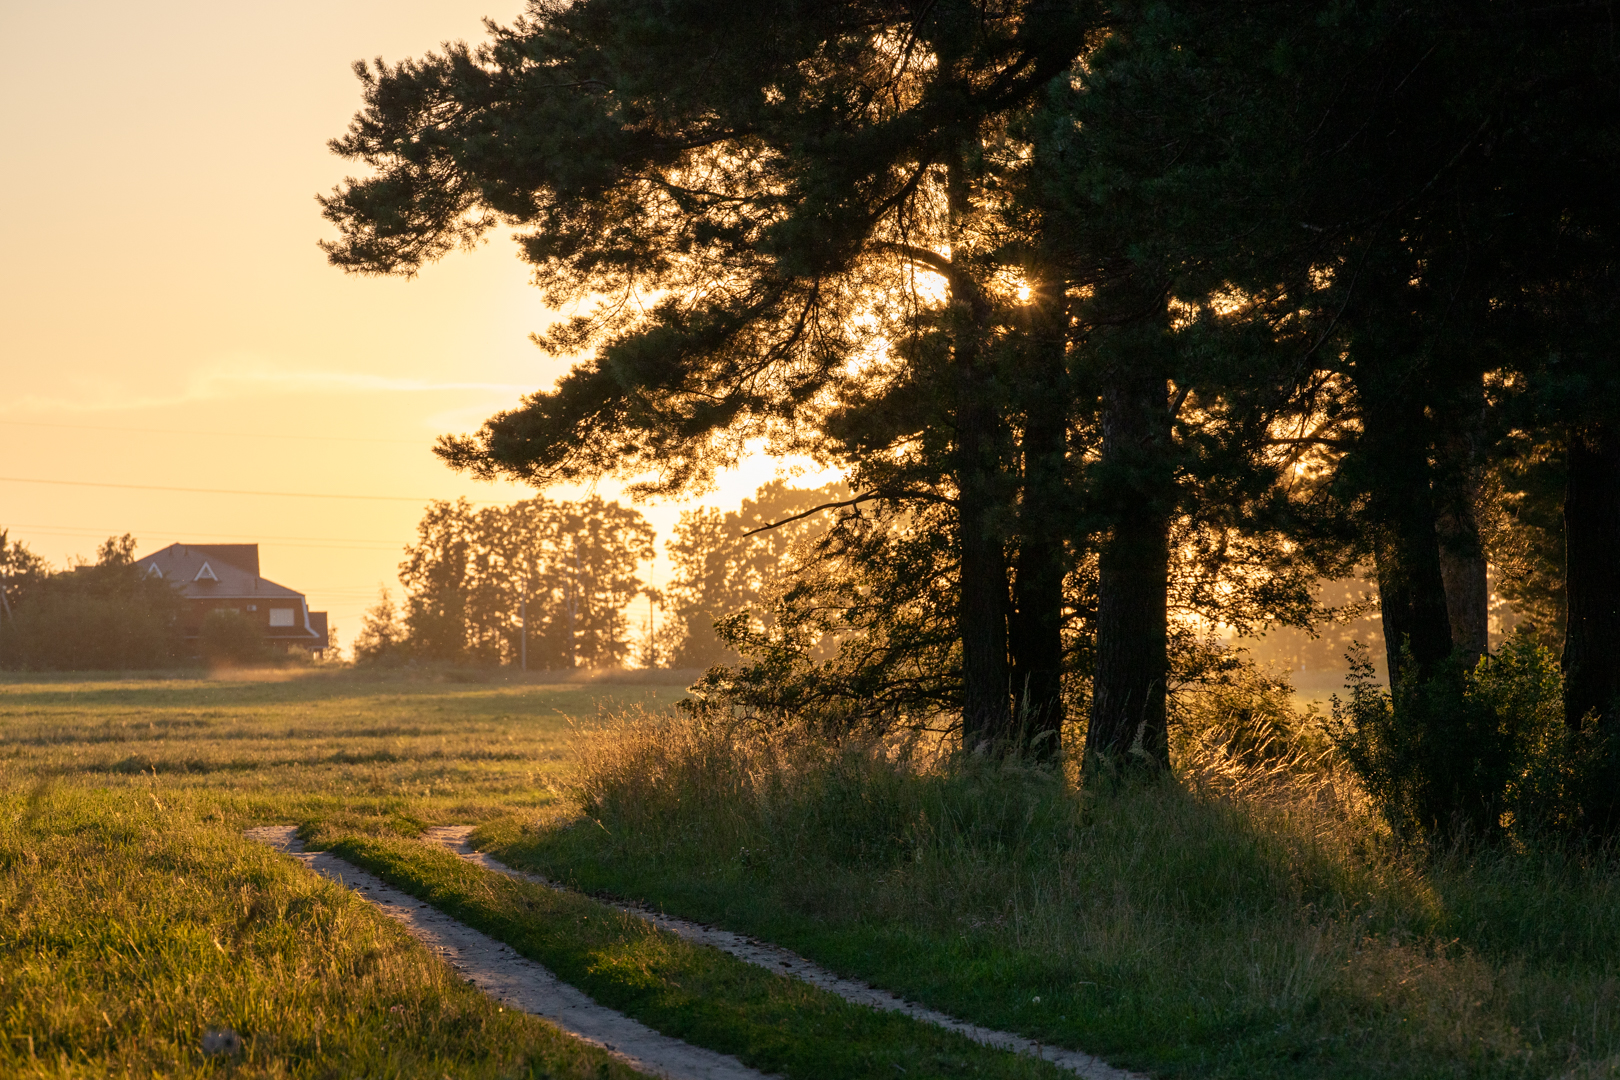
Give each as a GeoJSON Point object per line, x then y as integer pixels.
{"type": "Point", "coordinates": [1124, 322]}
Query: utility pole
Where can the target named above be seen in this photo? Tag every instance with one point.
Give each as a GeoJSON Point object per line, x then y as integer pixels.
{"type": "Point", "coordinates": [523, 643]}
{"type": "Point", "coordinates": [573, 608]}
{"type": "Point", "coordinates": [5, 605]}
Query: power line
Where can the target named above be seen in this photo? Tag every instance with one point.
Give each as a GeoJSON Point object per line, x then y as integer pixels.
{"type": "Point", "coordinates": [84, 534]}
{"type": "Point", "coordinates": [231, 491]}
{"type": "Point", "coordinates": [89, 530]}
{"type": "Point", "coordinates": [208, 434]}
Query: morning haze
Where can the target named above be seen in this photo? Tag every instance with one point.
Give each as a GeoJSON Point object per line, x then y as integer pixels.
{"type": "Point", "coordinates": [170, 321]}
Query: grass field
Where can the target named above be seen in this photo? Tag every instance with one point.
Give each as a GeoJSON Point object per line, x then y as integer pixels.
{"type": "Point", "coordinates": [1186, 934]}
{"type": "Point", "coordinates": [134, 918]}
{"type": "Point", "coordinates": [1187, 929]}
{"type": "Point", "coordinates": [370, 751]}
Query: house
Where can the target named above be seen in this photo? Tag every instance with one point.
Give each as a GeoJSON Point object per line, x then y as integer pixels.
{"type": "Point", "coordinates": [211, 577]}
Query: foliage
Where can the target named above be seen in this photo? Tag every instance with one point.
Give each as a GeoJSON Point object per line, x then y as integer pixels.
{"type": "Point", "coordinates": [20, 569]}
{"type": "Point", "coordinates": [861, 637]}
{"type": "Point", "coordinates": [382, 638]}
{"type": "Point", "coordinates": [571, 566]}
{"type": "Point", "coordinates": [794, 172]}
{"type": "Point", "coordinates": [229, 638]}
{"type": "Point", "coordinates": [718, 570]}
{"type": "Point", "coordinates": [1528, 546]}
{"type": "Point", "coordinates": [105, 615]}
{"type": "Point", "coordinates": [1118, 318]}
{"type": "Point", "coordinates": [1476, 753]}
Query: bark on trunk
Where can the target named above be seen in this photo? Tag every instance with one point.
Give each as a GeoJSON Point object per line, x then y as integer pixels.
{"type": "Point", "coordinates": [1462, 554]}
{"type": "Point", "coordinates": [1036, 630]}
{"type": "Point", "coordinates": [982, 570]}
{"type": "Point", "coordinates": [1591, 659]}
{"type": "Point", "coordinates": [1468, 594]}
{"type": "Point", "coordinates": [978, 467]}
{"type": "Point", "coordinates": [1128, 718]}
{"type": "Point", "coordinates": [1411, 588]}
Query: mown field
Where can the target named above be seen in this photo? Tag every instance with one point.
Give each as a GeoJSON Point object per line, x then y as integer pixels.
{"type": "Point", "coordinates": [134, 919]}
{"type": "Point", "coordinates": [1190, 930]}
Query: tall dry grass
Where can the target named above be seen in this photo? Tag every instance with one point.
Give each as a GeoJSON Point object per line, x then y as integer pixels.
{"type": "Point", "coordinates": [1247, 916]}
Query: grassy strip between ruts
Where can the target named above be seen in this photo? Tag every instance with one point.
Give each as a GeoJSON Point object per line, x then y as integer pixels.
{"type": "Point", "coordinates": [130, 926]}
{"type": "Point", "coordinates": [695, 993]}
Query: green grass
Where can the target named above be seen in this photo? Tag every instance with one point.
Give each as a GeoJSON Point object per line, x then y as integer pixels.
{"type": "Point", "coordinates": [130, 927]}
{"type": "Point", "coordinates": [152, 782]}
{"type": "Point", "coordinates": [1187, 934]}
{"type": "Point", "coordinates": [134, 917]}
{"type": "Point", "coordinates": [381, 752]}
{"type": "Point", "coordinates": [774, 1023]}
{"type": "Point", "coordinates": [1184, 933]}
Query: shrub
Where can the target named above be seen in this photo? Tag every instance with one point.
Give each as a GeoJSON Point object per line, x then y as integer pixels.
{"type": "Point", "coordinates": [383, 638]}
{"type": "Point", "coordinates": [101, 617]}
{"type": "Point", "coordinates": [1478, 752]}
{"type": "Point", "coordinates": [229, 638]}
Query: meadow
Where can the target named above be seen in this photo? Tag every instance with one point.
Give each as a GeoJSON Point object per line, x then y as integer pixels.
{"type": "Point", "coordinates": [1248, 918]}
{"type": "Point", "coordinates": [1248, 921]}
{"type": "Point", "coordinates": [135, 919]}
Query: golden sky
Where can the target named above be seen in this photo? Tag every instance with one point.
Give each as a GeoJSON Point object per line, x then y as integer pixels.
{"type": "Point", "coordinates": [168, 321]}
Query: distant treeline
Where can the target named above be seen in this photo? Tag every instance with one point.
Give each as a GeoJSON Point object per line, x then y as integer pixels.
{"type": "Point", "coordinates": [96, 615]}
{"type": "Point", "coordinates": [569, 573]}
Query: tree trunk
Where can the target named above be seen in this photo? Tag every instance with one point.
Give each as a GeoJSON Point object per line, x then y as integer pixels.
{"type": "Point", "coordinates": [978, 465]}
{"type": "Point", "coordinates": [1411, 588]}
{"type": "Point", "coordinates": [1462, 554]}
{"type": "Point", "coordinates": [1591, 659]}
{"type": "Point", "coordinates": [1129, 723]}
{"type": "Point", "coordinates": [1463, 573]}
{"type": "Point", "coordinates": [982, 617]}
{"type": "Point", "coordinates": [1036, 629]}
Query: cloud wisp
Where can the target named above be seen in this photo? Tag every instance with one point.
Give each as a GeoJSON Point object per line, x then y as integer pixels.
{"type": "Point", "coordinates": [221, 384]}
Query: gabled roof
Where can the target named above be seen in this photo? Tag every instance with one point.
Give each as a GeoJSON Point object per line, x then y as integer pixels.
{"type": "Point", "coordinates": [241, 556]}
{"type": "Point", "coordinates": [222, 571]}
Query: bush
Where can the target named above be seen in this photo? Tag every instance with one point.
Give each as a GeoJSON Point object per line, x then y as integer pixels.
{"type": "Point", "coordinates": [229, 638]}
{"type": "Point", "coordinates": [1481, 752]}
{"type": "Point", "coordinates": [103, 617]}
{"type": "Point", "coordinates": [383, 638]}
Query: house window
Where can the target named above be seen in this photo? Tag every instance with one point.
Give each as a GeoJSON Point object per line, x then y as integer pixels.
{"type": "Point", "coordinates": [253, 607]}
{"type": "Point", "coordinates": [281, 616]}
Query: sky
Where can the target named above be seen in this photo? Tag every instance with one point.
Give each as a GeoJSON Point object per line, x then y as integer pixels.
{"type": "Point", "coordinates": [167, 321]}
